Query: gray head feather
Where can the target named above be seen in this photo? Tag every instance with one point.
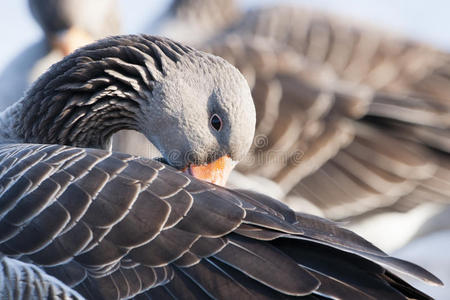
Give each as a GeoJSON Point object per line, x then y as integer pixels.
{"type": "Point", "coordinates": [153, 85]}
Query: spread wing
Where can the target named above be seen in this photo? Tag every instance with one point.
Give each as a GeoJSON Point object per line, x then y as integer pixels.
{"type": "Point", "coordinates": [111, 226]}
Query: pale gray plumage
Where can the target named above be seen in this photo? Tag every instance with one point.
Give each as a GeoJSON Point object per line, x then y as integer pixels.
{"type": "Point", "coordinates": [188, 21]}
{"type": "Point", "coordinates": [111, 225]}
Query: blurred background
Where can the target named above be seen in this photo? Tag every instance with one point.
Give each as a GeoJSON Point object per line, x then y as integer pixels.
{"type": "Point", "coordinates": [424, 20]}
{"type": "Point", "coordinates": [385, 170]}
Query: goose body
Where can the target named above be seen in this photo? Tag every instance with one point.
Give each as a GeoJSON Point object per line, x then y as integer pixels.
{"type": "Point", "coordinates": [111, 225]}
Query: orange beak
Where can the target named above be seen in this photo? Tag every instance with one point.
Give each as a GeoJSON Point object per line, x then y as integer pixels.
{"type": "Point", "coordinates": [70, 40]}
{"type": "Point", "coordinates": [216, 172]}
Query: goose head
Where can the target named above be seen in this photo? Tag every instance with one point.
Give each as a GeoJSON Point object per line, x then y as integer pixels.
{"type": "Point", "coordinates": [194, 107]}
{"type": "Point", "coordinates": [70, 24]}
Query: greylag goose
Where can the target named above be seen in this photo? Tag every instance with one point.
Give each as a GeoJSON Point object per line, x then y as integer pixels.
{"type": "Point", "coordinates": [110, 225]}
{"type": "Point", "coordinates": [341, 128]}
{"type": "Point", "coordinates": [67, 25]}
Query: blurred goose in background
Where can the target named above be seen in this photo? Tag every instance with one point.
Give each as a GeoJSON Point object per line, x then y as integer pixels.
{"type": "Point", "coordinates": [110, 225]}
{"type": "Point", "coordinates": [351, 121]}
{"type": "Point", "coordinates": [67, 25]}
{"type": "Point", "coordinates": [395, 156]}
{"type": "Point", "coordinates": [195, 21]}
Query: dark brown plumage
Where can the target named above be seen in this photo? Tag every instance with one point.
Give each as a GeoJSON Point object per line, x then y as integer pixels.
{"type": "Point", "coordinates": [112, 226]}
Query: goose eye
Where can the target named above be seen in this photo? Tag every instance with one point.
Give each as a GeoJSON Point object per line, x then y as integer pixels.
{"type": "Point", "coordinates": [216, 122]}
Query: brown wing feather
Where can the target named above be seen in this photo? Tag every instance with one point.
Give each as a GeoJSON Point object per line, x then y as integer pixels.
{"type": "Point", "coordinates": [121, 236]}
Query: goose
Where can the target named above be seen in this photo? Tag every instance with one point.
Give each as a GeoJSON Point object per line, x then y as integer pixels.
{"type": "Point", "coordinates": [77, 220]}
{"type": "Point", "coordinates": [67, 25]}
{"type": "Point", "coordinates": [300, 106]}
